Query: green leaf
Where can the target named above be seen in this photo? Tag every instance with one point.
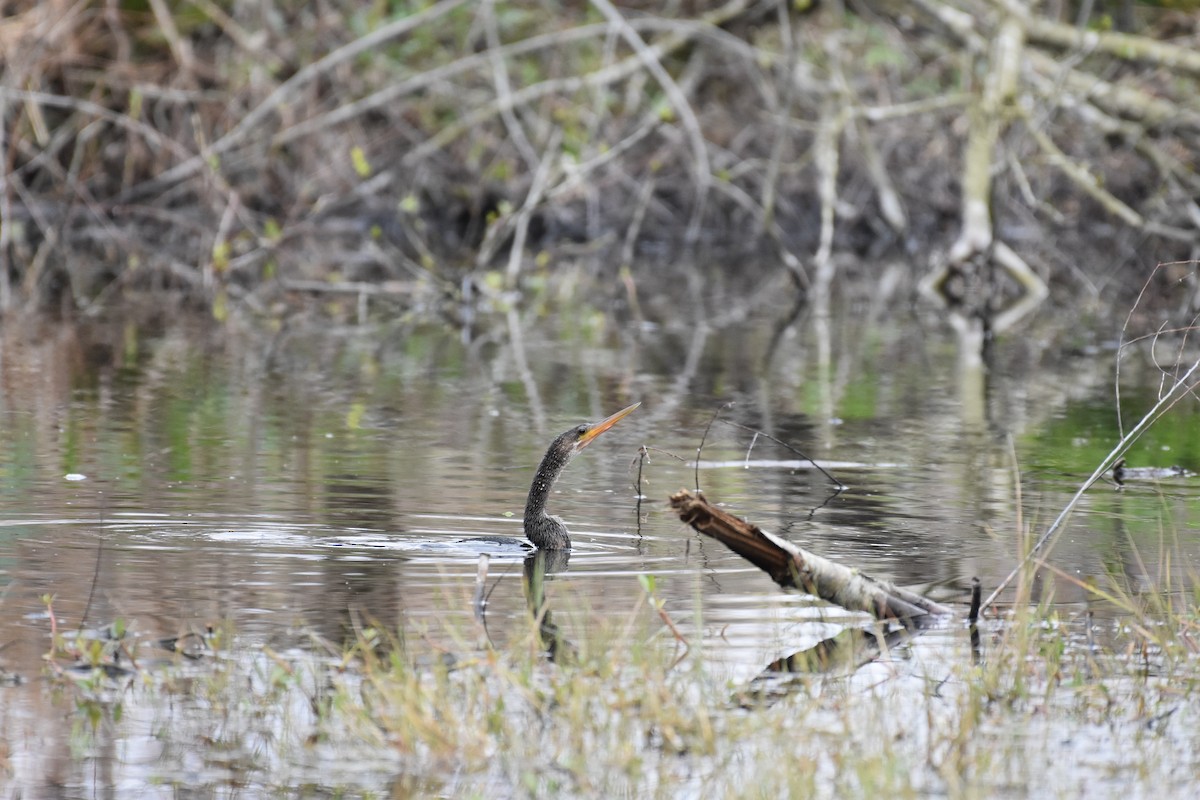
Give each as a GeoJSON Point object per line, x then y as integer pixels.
{"type": "Point", "coordinates": [361, 165]}
{"type": "Point", "coordinates": [220, 256]}
{"type": "Point", "coordinates": [271, 230]}
{"type": "Point", "coordinates": [220, 306]}
{"type": "Point", "coordinates": [355, 416]}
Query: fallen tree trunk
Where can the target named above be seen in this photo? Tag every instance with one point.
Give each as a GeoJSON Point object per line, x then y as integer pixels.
{"type": "Point", "coordinates": [795, 568]}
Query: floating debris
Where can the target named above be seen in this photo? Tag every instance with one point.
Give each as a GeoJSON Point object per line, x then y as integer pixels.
{"type": "Point", "coordinates": [1122, 473]}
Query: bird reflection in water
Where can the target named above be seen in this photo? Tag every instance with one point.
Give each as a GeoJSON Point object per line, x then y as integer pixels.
{"type": "Point", "coordinates": [558, 649]}
{"type": "Point", "coordinates": [548, 533]}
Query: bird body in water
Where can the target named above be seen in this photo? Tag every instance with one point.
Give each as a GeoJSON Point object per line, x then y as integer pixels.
{"type": "Point", "coordinates": [547, 532]}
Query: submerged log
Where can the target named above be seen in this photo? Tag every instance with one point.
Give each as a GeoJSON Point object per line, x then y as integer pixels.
{"type": "Point", "coordinates": [795, 568]}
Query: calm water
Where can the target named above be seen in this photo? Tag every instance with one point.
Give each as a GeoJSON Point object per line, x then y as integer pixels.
{"type": "Point", "coordinates": [304, 480]}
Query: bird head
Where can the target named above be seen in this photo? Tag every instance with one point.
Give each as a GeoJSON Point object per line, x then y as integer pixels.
{"type": "Point", "coordinates": [582, 435]}
{"type": "Point", "coordinates": [571, 441]}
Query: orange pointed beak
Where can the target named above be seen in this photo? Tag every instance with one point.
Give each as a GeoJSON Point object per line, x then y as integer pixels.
{"type": "Point", "coordinates": [600, 427]}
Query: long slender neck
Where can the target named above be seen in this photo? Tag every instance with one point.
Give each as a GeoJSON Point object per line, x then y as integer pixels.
{"type": "Point", "coordinates": [546, 532]}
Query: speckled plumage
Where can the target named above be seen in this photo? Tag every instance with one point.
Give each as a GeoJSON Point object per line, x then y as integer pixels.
{"type": "Point", "coordinates": [547, 532]}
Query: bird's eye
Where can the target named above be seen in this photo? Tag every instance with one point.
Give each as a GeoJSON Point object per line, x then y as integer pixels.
{"type": "Point", "coordinates": [581, 430]}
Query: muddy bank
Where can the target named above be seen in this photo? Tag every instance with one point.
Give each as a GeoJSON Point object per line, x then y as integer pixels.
{"type": "Point", "coordinates": [256, 160]}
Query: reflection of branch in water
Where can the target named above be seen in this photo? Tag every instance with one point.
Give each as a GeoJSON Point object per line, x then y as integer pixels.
{"type": "Point", "coordinates": [680, 389]}
{"type": "Point", "coordinates": [700, 447]}
{"type": "Point", "coordinates": [847, 651]}
{"type": "Point", "coordinates": [536, 568]}
{"type": "Point", "coordinates": [781, 327]}
{"type": "Point", "coordinates": [483, 594]}
{"type": "Point", "coordinates": [812, 512]}
{"type": "Point", "coordinates": [643, 457]}
{"type": "Point", "coordinates": [480, 599]}
{"type": "Point", "coordinates": [531, 390]}
{"type": "Point", "coordinates": [973, 620]}
{"type": "Point", "coordinates": [839, 487]}
{"type": "Point", "coordinates": [796, 451]}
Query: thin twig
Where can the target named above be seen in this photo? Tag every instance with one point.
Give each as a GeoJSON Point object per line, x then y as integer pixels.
{"type": "Point", "coordinates": [1123, 343]}
{"type": "Point", "coordinates": [91, 109]}
{"type": "Point", "coordinates": [675, 456]}
{"type": "Point", "coordinates": [787, 80]}
{"type": "Point", "coordinates": [95, 572]}
{"type": "Point", "coordinates": [536, 189]}
{"type": "Point", "coordinates": [635, 224]}
{"type": "Point", "coordinates": [751, 448]}
{"type": "Point", "coordinates": [707, 428]}
{"type": "Point", "coordinates": [1081, 176]}
{"type": "Point", "coordinates": [504, 88]}
{"type": "Point", "coordinates": [666, 618]}
{"type": "Point", "coordinates": [278, 98]}
{"type": "Point", "coordinates": [838, 484]}
{"type": "Point", "coordinates": [576, 173]}
{"type": "Point", "coordinates": [181, 49]}
{"type": "Point", "coordinates": [651, 60]}
{"type": "Point", "coordinates": [682, 33]}
{"type": "Point", "coordinates": [487, 597]}
{"type": "Point", "coordinates": [239, 35]}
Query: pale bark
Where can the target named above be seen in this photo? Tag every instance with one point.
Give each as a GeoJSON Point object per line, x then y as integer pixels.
{"type": "Point", "coordinates": [793, 567]}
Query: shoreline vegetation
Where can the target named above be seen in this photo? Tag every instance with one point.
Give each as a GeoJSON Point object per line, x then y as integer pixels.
{"type": "Point", "coordinates": [252, 157]}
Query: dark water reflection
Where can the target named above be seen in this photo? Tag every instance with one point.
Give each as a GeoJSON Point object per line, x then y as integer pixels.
{"type": "Point", "coordinates": [310, 479]}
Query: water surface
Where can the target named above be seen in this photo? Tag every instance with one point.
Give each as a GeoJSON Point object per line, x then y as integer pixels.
{"type": "Point", "coordinates": [305, 482]}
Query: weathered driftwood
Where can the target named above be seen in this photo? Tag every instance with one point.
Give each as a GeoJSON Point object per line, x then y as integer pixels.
{"type": "Point", "coordinates": [795, 568]}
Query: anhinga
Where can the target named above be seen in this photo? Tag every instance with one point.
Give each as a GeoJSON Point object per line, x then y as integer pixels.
{"type": "Point", "coordinates": [547, 532]}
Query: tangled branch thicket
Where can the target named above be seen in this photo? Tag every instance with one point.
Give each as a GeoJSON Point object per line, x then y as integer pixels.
{"type": "Point", "coordinates": [236, 151]}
